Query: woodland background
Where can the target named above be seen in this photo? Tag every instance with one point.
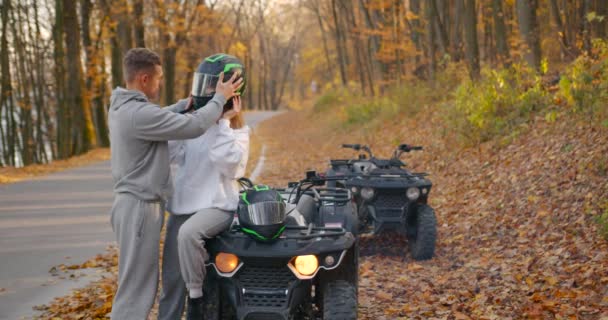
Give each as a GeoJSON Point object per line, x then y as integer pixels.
{"type": "Point", "coordinates": [509, 99]}
{"type": "Point", "coordinates": [61, 59]}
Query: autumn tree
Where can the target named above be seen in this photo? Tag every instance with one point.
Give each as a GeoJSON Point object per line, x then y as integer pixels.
{"type": "Point", "coordinates": [528, 28]}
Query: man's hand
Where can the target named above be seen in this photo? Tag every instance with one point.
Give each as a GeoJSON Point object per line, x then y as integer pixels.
{"type": "Point", "coordinates": [227, 88]}
{"type": "Point", "coordinates": [189, 105]}
{"type": "Point", "coordinates": [236, 109]}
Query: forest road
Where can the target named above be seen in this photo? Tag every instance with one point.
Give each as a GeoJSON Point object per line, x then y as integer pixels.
{"type": "Point", "coordinates": [61, 218]}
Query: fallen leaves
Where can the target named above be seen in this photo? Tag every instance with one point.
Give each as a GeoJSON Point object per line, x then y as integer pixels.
{"type": "Point", "coordinates": [516, 231]}
{"type": "Point", "coordinates": [12, 175]}
{"type": "Point", "coordinates": [516, 239]}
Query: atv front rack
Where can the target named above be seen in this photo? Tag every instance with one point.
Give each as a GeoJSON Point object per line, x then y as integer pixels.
{"type": "Point", "coordinates": [324, 195]}
{"type": "Point", "coordinates": [295, 240]}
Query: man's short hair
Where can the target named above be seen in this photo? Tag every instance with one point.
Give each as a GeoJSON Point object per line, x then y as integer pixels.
{"type": "Point", "coordinates": [137, 60]}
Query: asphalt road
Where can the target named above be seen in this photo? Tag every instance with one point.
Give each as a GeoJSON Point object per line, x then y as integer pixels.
{"type": "Point", "coordinates": [59, 218]}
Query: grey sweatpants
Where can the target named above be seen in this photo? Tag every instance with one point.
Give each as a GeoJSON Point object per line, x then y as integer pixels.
{"type": "Point", "coordinates": [204, 224]}
{"type": "Point", "coordinates": [173, 291]}
{"type": "Point", "coordinates": [137, 226]}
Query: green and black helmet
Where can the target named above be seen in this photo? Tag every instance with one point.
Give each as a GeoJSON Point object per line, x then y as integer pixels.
{"type": "Point", "coordinates": [261, 213]}
{"type": "Point", "coordinates": [207, 75]}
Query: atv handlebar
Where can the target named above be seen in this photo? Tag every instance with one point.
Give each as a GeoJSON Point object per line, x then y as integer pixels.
{"type": "Point", "coordinates": [407, 148]}
{"type": "Point", "coordinates": [352, 146]}
{"type": "Point", "coordinates": [358, 147]}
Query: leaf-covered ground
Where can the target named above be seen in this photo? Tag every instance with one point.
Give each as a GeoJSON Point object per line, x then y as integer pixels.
{"type": "Point", "coordinates": [516, 236]}
{"type": "Point", "coordinates": [11, 174]}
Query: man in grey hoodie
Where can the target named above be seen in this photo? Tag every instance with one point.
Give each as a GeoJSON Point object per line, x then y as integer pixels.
{"type": "Point", "coordinates": [139, 130]}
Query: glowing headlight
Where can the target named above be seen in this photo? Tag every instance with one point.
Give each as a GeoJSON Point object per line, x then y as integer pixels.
{"type": "Point", "coordinates": [367, 193]}
{"type": "Point", "coordinates": [306, 265]}
{"type": "Point", "coordinates": [354, 190]}
{"type": "Point", "coordinates": [226, 262]}
{"type": "Point", "coordinates": [413, 193]}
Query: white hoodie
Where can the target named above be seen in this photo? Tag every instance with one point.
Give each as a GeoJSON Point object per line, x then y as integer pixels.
{"type": "Point", "coordinates": [206, 169]}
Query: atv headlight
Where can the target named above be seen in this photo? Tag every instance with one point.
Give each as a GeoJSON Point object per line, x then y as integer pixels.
{"type": "Point", "coordinates": [226, 262]}
{"type": "Point", "coordinates": [367, 193]}
{"type": "Point", "coordinates": [306, 265]}
{"type": "Point", "coordinates": [354, 190]}
{"type": "Point", "coordinates": [413, 193]}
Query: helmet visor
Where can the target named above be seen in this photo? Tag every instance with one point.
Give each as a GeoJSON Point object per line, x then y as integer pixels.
{"type": "Point", "coordinates": [266, 213]}
{"type": "Point", "coordinates": [203, 84]}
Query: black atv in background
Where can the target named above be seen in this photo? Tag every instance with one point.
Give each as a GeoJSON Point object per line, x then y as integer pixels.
{"type": "Point", "coordinates": [310, 271]}
{"type": "Point", "coordinates": [389, 197]}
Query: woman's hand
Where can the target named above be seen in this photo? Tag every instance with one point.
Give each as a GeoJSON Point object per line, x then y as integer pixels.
{"type": "Point", "coordinates": [236, 108]}
{"type": "Point", "coordinates": [228, 88]}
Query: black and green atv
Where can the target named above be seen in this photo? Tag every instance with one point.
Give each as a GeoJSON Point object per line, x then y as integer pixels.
{"type": "Point", "coordinates": [388, 196]}
{"type": "Point", "coordinates": [291, 254]}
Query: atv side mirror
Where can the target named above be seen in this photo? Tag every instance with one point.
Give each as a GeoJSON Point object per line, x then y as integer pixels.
{"type": "Point", "coordinates": [311, 174]}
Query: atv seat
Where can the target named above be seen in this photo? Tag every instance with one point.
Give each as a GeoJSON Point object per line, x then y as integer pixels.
{"type": "Point", "coordinates": [301, 214]}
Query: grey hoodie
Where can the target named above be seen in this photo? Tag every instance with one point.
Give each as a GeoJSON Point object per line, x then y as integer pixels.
{"type": "Point", "coordinates": [139, 131]}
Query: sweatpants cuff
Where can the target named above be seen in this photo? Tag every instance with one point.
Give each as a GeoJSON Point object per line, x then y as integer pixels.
{"type": "Point", "coordinates": [195, 292]}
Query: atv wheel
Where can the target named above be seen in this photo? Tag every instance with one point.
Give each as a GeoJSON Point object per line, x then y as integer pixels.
{"type": "Point", "coordinates": [422, 241]}
{"type": "Point", "coordinates": [211, 292]}
{"type": "Point", "coordinates": [339, 300]}
{"type": "Point", "coordinates": [216, 305]}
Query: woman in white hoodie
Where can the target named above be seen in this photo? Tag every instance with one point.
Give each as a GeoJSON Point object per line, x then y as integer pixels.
{"type": "Point", "coordinates": [203, 204]}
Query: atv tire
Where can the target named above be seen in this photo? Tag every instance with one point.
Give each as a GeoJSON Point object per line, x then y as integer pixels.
{"type": "Point", "coordinates": [339, 301]}
{"type": "Point", "coordinates": [216, 305]}
{"type": "Point", "coordinates": [422, 240]}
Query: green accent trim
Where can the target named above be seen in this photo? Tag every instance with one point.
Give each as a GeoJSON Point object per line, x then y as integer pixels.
{"type": "Point", "coordinates": [244, 197]}
{"type": "Point", "coordinates": [279, 232]}
{"type": "Point", "coordinates": [261, 237]}
{"type": "Point", "coordinates": [215, 58]}
{"type": "Point", "coordinates": [253, 233]}
{"type": "Point", "coordinates": [261, 188]}
{"type": "Point", "coordinates": [230, 66]}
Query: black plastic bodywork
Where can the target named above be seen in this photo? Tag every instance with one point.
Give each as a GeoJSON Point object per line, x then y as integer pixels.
{"type": "Point", "coordinates": [389, 209]}
{"type": "Point", "coordinates": [264, 287]}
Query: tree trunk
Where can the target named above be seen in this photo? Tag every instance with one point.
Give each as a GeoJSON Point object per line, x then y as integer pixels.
{"type": "Point", "coordinates": [470, 33]}
{"type": "Point", "coordinates": [6, 95]}
{"type": "Point", "coordinates": [64, 139]}
{"type": "Point", "coordinates": [528, 28]}
{"type": "Point", "coordinates": [439, 27]}
{"type": "Point", "coordinates": [96, 78]}
{"type": "Point", "coordinates": [563, 35]}
{"type": "Point", "coordinates": [339, 47]}
{"type": "Point", "coordinates": [24, 88]}
{"type": "Point", "coordinates": [502, 43]}
{"type": "Point", "coordinates": [358, 47]}
{"type": "Point", "coordinates": [77, 99]}
{"type": "Point", "coordinates": [586, 34]}
{"type": "Point", "coordinates": [324, 39]}
{"type": "Point", "coordinates": [100, 110]}
{"type": "Point", "coordinates": [115, 49]}
{"type": "Point", "coordinates": [602, 11]}
{"type": "Point", "coordinates": [456, 34]}
{"type": "Point", "coordinates": [123, 27]}
{"type": "Point", "coordinates": [430, 38]}
{"type": "Point", "coordinates": [169, 55]}
{"type": "Point", "coordinates": [38, 80]}
{"type": "Point", "coordinates": [138, 16]}
{"type": "Point", "coordinates": [372, 47]}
